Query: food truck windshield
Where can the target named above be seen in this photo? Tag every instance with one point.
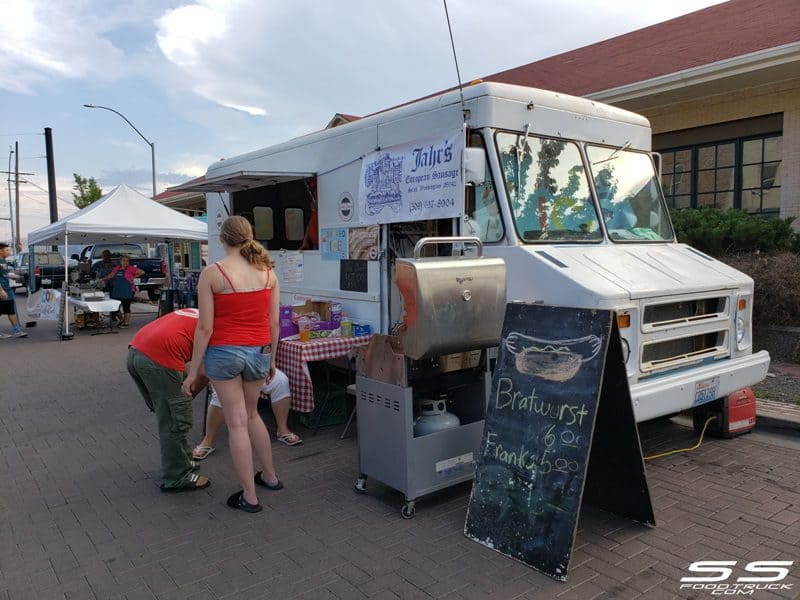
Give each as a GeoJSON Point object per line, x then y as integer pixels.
{"type": "Point", "coordinates": [547, 185]}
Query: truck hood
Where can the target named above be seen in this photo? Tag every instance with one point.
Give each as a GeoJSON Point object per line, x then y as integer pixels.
{"type": "Point", "coordinates": [644, 270]}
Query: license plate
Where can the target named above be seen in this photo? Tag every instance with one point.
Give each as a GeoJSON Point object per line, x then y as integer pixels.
{"type": "Point", "coordinates": [47, 281]}
{"type": "Point", "coordinates": [137, 281]}
{"type": "Point", "coordinates": [706, 391]}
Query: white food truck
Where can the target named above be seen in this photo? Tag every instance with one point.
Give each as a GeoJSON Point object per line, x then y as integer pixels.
{"type": "Point", "coordinates": [563, 189]}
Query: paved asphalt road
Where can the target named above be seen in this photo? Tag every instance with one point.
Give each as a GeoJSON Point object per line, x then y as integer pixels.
{"type": "Point", "coordinates": [81, 516]}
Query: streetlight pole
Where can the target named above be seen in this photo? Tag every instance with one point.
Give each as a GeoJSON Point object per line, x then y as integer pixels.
{"type": "Point", "coordinates": [141, 135]}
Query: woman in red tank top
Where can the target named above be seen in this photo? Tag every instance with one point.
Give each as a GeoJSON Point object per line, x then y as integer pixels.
{"type": "Point", "coordinates": [237, 336]}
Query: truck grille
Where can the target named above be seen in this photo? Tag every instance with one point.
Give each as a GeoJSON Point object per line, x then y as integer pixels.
{"type": "Point", "coordinates": [684, 332]}
{"type": "Point", "coordinates": [685, 311]}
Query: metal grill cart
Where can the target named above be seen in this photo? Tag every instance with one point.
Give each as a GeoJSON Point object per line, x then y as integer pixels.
{"type": "Point", "coordinates": [454, 310]}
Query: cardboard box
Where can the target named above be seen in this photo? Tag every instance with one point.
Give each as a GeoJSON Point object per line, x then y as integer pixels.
{"type": "Point", "coordinates": [288, 327]}
{"type": "Point", "coordinates": [324, 315]}
{"type": "Point", "coordinates": [459, 360]}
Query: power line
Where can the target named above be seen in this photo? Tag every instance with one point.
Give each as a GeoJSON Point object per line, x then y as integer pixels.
{"type": "Point", "coordinates": [29, 197]}
{"type": "Point", "coordinates": [37, 186]}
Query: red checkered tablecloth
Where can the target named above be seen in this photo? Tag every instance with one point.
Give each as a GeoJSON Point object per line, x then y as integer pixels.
{"type": "Point", "coordinates": [294, 356]}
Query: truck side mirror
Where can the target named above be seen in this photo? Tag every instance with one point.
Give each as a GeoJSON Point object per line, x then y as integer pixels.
{"type": "Point", "coordinates": [75, 257]}
{"type": "Point", "coordinates": [474, 166]}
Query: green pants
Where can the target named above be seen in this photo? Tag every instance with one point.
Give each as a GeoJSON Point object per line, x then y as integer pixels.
{"type": "Point", "coordinates": [161, 388]}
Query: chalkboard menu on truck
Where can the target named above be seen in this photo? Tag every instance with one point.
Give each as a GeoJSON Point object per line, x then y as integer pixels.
{"type": "Point", "coordinates": [353, 275]}
{"type": "Point", "coordinates": [538, 434]}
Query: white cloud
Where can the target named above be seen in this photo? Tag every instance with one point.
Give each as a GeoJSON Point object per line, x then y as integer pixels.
{"type": "Point", "coordinates": [183, 32]}
{"type": "Point", "coordinates": [42, 42]}
{"type": "Point", "coordinates": [192, 166]}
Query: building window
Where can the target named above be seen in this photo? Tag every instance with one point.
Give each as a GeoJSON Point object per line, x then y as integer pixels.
{"type": "Point", "coordinates": [715, 170]}
{"type": "Point", "coordinates": [744, 173]}
{"type": "Point", "coordinates": [761, 174]}
{"type": "Point", "coordinates": [676, 177]}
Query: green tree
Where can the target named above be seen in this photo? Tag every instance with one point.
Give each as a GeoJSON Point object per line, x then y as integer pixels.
{"type": "Point", "coordinates": [87, 191]}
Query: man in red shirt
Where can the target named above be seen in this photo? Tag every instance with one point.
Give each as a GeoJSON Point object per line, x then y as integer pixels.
{"type": "Point", "coordinates": [157, 358]}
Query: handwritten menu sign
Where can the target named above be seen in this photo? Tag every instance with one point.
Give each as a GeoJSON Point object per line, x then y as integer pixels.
{"type": "Point", "coordinates": [540, 423]}
{"type": "Point", "coordinates": [353, 275]}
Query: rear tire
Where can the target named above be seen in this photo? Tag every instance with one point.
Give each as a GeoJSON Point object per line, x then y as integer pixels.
{"type": "Point", "coordinates": [153, 294]}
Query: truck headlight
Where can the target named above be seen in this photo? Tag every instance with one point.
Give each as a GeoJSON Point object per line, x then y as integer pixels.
{"type": "Point", "coordinates": [741, 329]}
{"type": "Point", "coordinates": [742, 324]}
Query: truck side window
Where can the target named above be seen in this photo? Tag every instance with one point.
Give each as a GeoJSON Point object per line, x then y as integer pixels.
{"type": "Point", "coordinates": [264, 223]}
{"type": "Point", "coordinates": [483, 213]}
{"type": "Point", "coordinates": [293, 224]}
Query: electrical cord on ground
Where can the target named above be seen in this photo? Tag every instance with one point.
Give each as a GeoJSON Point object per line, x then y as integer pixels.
{"type": "Point", "coordinates": [695, 447]}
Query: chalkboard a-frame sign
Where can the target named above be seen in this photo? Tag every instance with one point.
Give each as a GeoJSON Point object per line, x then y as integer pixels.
{"type": "Point", "coordinates": [559, 430]}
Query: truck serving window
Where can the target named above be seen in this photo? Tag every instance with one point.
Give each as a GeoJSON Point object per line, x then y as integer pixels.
{"type": "Point", "coordinates": [631, 201]}
{"type": "Point", "coordinates": [548, 190]}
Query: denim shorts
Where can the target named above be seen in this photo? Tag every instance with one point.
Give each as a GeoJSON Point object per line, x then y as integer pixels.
{"type": "Point", "coordinates": [227, 362]}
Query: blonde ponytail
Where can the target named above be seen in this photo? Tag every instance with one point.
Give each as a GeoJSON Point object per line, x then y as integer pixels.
{"type": "Point", "coordinates": [237, 232]}
{"type": "Point", "coordinates": [256, 255]}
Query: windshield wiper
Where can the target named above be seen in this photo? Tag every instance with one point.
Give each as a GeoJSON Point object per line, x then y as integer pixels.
{"type": "Point", "coordinates": [613, 155]}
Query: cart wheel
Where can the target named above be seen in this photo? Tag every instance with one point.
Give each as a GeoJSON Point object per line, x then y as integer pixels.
{"type": "Point", "coordinates": [408, 511]}
{"type": "Point", "coordinates": [361, 485]}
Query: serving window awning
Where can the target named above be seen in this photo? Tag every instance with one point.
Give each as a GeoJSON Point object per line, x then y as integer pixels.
{"type": "Point", "coordinates": [238, 181]}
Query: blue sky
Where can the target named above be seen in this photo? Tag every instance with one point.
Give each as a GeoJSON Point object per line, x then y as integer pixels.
{"type": "Point", "coordinates": [207, 79]}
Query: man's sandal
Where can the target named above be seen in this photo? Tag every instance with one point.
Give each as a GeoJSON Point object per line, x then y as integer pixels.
{"type": "Point", "coordinates": [196, 482]}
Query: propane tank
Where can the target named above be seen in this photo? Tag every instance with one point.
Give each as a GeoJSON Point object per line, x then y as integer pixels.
{"type": "Point", "coordinates": [434, 417]}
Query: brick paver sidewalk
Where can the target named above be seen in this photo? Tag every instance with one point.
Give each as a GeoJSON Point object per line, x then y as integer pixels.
{"type": "Point", "coordinates": [81, 516]}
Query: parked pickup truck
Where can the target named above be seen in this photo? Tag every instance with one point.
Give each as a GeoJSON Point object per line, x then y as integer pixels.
{"type": "Point", "coordinates": [48, 270]}
{"type": "Point", "coordinates": [154, 268]}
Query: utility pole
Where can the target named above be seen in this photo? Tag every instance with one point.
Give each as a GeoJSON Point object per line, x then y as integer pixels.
{"type": "Point", "coordinates": [16, 237]}
{"type": "Point", "coordinates": [51, 174]}
{"type": "Point", "coordinates": [10, 205]}
{"type": "Point", "coordinates": [18, 241]}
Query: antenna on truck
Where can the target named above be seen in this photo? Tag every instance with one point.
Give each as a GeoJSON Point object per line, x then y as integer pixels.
{"type": "Point", "coordinates": [455, 59]}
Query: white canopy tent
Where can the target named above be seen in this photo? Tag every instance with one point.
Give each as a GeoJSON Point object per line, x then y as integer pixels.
{"type": "Point", "coordinates": [122, 215]}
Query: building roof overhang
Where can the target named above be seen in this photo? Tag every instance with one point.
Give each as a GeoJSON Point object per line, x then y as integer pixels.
{"type": "Point", "coordinates": [749, 70]}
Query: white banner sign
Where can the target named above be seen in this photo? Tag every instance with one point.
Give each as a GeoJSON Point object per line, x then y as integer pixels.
{"type": "Point", "coordinates": [412, 182]}
{"type": "Point", "coordinates": [50, 305]}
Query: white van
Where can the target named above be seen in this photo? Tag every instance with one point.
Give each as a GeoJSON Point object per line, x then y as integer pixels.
{"type": "Point", "coordinates": [570, 199]}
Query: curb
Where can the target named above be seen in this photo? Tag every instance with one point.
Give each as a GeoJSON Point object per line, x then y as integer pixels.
{"type": "Point", "coordinates": [779, 411]}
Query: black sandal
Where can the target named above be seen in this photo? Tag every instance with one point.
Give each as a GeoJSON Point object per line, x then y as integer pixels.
{"type": "Point", "coordinates": [237, 501]}
{"type": "Point", "coordinates": [195, 482]}
{"type": "Point", "coordinates": [270, 486]}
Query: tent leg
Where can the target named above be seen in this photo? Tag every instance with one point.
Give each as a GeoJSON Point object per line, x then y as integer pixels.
{"type": "Point", "coordinates": [65, 288]}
